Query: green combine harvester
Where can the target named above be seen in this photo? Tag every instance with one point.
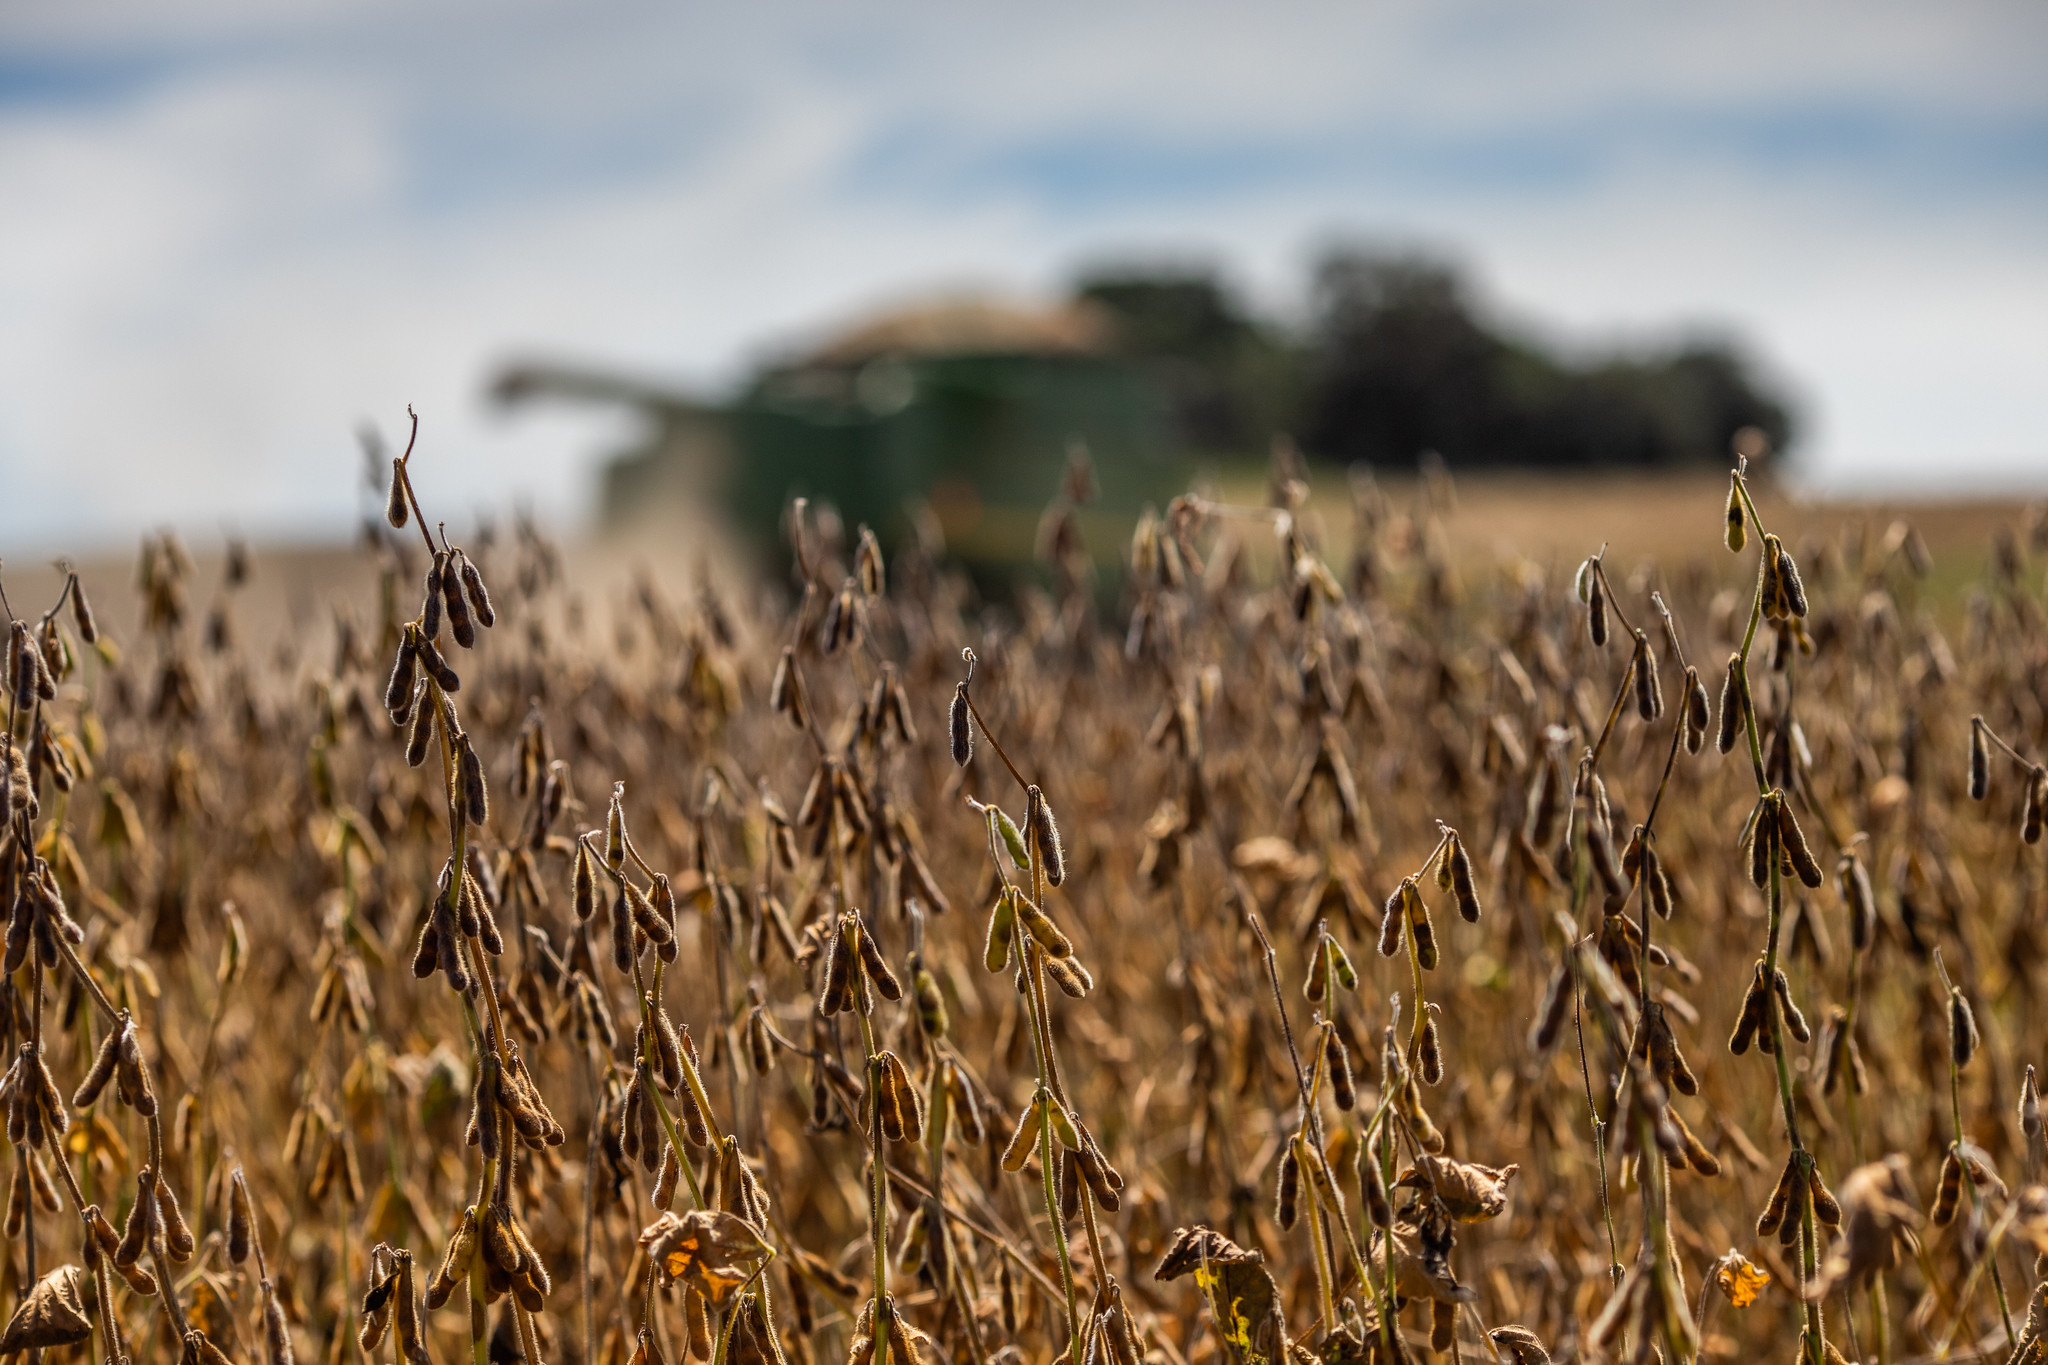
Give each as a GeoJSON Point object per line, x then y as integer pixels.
{"type": "Point", "coordinates": [957, 417]}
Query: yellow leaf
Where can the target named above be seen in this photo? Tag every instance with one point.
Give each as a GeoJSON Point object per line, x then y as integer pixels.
{"type": "Point", "coordinates": [715, 1253]}
{"type": "Point", "coordinates": [1740, 1279]}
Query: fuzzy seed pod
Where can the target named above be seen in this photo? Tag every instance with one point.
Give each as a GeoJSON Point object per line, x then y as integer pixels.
{"type": "Point", "coordinates": [1649, 691]}
{"type": "Point", "coordinates": [1392, 916]}
{"type": "Point", "coordinates": [1825, 1206]}
{"type": "Point", "coordinates": [476, 801]}
{"type": "Point", "coordinates": [583, 885]}
{"type": "Point", "coordinates": [20, 932]}
{"type": "Point", "coordinates": [965, 1108]}
{"type": "Point", "coordinates": [1550, 1015]}
{"type": "Point", "coordinates": [697, 1326]}
{"type": "Point", "coordinates": [103, 1064]}
{"type": "Point", "coordinates": [430, 605]}
{"type": "Point", "coordinates": [1657, 884]}
{"type": "Point", "coordinates": [24, 665]}
{"type": "Point", "coordinates": [445, 678]}
{"type": "Point", "coordinates": [1763, 849]}
{"type": "Point", "coordinates": [1062, 1124]}
{"type": "Point", "coordinates": [406, 1315]}
{"type": "Point", "coordinates": [1796, 849]}
{"type": "Point", "coordinates": [455, 1262]}
{"type": "Point", "coordinates": [460, 625]}
{"type": "Point", "coordinates": [404, 677]}
{"type": "Point", "coordinates": [1001, 928]}
{"type": "Point", "coordinates": [1070, 976]}
{"type": "Point", "coordinates": [1372, 1187]}
{"type": "Point", "coordinates": [836, 994]}
{"type": "Point", "coordinates": [1773, 1216]}
{"type": "Point", "coordinates": [1041, 927]}
{"type": "Point", "coordinates": [960, 726]}
{"type": "Point", "coordinates": [377, 1304]}
{"type": "Point", "coordinates": [1749, 1023]}
{"type": "Point", "coordinates": [2035, 812]}
{"type": "Point", "coordinates": [277, 1337]}
{"type": "Point", "coordinates": [1315, 984]}
{"type": "Point", "coordinates": [1600, 848]}
{"type": "Point", "coordinates": [668, 1051]}
{"type": "Point", "coordinates": [1702, 1161]}
{"type": "Point", "coordinates": [1856, 894]}
{"type": "Point", "coordinates": [1731, 706]}
{"type": "Point", "coordinates": [142, 1220]}
{"type": "Point", "coordinates": [615, 828]}
{"type": "Point", "coordinates": [81, 613]}
{"type": "Point", "coordinates": [1790, 584]}
{"type": "Point", "coordinates": [1980, 760]}
{"type": "Point", "coordinates": [479, 596]}
{"type": "Point", "coordinates": [1546, 801]}
{"type": "Point", "coordinates": [105, 1240]}
{"type": "Point", "coordinates": [624, 949]}
{"type": "Point", "coordinates": [643, 914]}
{"type": "Point", "coordinates": [1105, 1185]}
{"type": "Point", "coordinates": [396, 508]}
{"type": "Point", "coordinates": [177, 1233]}
{"type": "Point", "coordinates": [500, 1248]}
{"type": "Point", "coordinates": [1596, 610]}
{"type": "Point", "coordinates": [1013, 839]}
{"type": "Point", "coordinates": [241, 1219]}
{"type": "Point", "coordinates": [1340, 964]}
{"type": "Point", "coordinates": [17, 1200]}
{"type": "Point", "coordinates": [1948, 1192]}
{"type": "Point", "coordinates": [900, 1347]}
{"type": "Point", "coordinates": [1462, 888]}
{"type": "Point", "coordinates": [902, 1107]}
{"type": "Point", "coordinates": [1443, 1325]}
{"type": "Point", "coordinates": [426, 954]}
{"type": "Point", "coordinates": [1699, 713]}
{"type": "Point", "coordinates": [652, 1139]}
{"type": "Point", "coordinates": [1043, 835]}
{"type": "Point", "coordinates": [1773, 581]}
{"type": "Point", "coordinates": [695, 1129]}
{"type": "Point", "coordinates": [1025, 1136]}
{"type": "Point", "coordinates": [131, 1078]}
{"type": "Point", "coordinates": [1735, 532]}
{"type": "Point", "coordinates": [1795, 1022]}
{"type": "Point", "coordinates": [1420, 930]}
{"type": "Point", "coordinates": [421, 735]}
{"type": "Point", "coordinates": [1426, 1132]}
{"type": "Point", "coordinates": [45, 1095]}
{"type": "Point", "coordinates": [1287, 1201]}
{"type": "Point", "coordinates": [1962, 1030]}
{"type": "Point", "coordinates": [782, 689]}
{"type": "Point", "coordinates": [1429, 1054]}
{"type": "Point", "coordinates": [931, 1004]}
{"type": "Point", "coordinates": [1667, 1063]}
{"type": "Point", "coordinates": [760, 1051]}
{"type": "Point", "coordinates": [876, 966]}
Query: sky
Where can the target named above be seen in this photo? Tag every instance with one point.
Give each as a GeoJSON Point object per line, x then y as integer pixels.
{"type": "Point", "coordinates": [233, 231]}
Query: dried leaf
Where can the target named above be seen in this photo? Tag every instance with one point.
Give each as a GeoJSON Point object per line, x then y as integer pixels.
{"type": "Point", "coordinates": [1469, 1192]}
{"type": "Point", "coordinates": [53, 1314]}
{"type": "Point", "coordinates": [1740, 1279]}
{"type": "Point", "coordinates": [715, 1253]}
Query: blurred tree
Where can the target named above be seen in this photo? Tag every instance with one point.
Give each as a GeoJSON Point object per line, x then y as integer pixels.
{"type": "Point", "coordinates": [1228, 380]}
{"type": "Point", "coordinates": [1398, 363]}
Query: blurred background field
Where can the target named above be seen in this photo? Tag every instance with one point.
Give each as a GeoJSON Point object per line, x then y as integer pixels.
{"type": "Point", "coordinates": [1538, 523]}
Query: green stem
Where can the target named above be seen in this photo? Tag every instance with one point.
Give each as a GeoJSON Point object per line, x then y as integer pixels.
{"type": "Point", "coordinates": [878, 1212]}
